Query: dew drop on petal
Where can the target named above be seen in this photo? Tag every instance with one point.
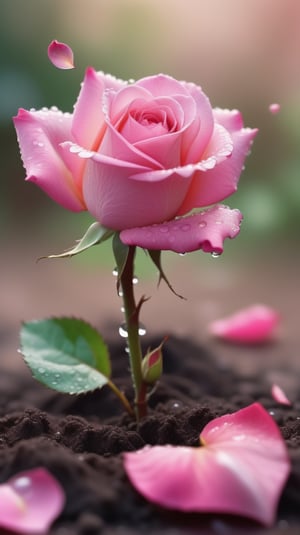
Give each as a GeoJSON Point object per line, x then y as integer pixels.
{"type": "Point", "coordinates": [215, 254]}
{"type": "Point", "coordinates": [22, 482]}
{"type": "Point", "coordinates": [202, 224]}
{"type": "Point", "coordinates": [115, 272]}
{"type": "Point", "coordinates": [135, 280]}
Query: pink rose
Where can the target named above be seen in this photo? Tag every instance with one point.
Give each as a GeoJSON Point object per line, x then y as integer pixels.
{"type": "Point", "coordinates": [135, 154]}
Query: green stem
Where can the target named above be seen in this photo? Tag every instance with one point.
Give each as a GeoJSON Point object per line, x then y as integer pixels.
{"type": "Point", "coordinates": [121, 397]}
{"type": "Point", "coordinates": [131, 312]}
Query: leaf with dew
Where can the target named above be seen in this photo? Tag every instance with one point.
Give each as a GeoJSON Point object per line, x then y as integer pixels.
{"type": "Point", "coordinates": [66, 354]}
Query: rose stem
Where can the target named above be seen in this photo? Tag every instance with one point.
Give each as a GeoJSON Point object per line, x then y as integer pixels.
{"type": "Point", "coordinates": [131, 312]}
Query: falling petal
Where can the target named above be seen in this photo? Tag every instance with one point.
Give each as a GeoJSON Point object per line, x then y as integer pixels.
{"type": "Point", "coordinates": [241, 469]}
{"type": "Point", "coordinates": [279, 395]}
{"type": "Point", "coordinates": [274, 108]}
{"type": "Point", "coordinates": [251, 325]}
{"type": "Point", "coordinates": [61, 55]}
{"type": "Point", "coordinates": [30, 501]}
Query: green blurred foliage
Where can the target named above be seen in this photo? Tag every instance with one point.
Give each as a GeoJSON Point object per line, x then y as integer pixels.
{"type": "Point", "coordinates": [132, 38]}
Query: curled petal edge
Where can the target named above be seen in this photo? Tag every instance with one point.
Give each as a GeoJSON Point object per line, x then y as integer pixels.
{"type": "Point", "coordinates": [205, 230]}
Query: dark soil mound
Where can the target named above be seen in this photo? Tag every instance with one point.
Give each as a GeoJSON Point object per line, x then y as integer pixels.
{"type": "Point", "coordinates": [81, 439]}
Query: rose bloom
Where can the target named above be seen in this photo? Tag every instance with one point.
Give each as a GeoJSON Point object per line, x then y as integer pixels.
{"type": "Point", "coordinates": [134, 154]}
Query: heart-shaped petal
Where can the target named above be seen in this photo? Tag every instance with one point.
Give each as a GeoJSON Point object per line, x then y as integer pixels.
{"type": "Point", "coordinates": [30, 501]}
{"type": "Point", "coordinates": [251, 325]}
{"type": "Point", "coordinates": [206, 230]}
{"type": "Point", "coordinates": [61, 55]}
{"type": "Point", "coordinates": [241, 469]}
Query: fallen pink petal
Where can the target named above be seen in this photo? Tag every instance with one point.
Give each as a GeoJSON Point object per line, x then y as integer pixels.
{"type": "Point", "coordinates": [30, 501]}
{"type": "Point", "coordinates": [205, 230]}
{"type": "Point", "coordinates": [279, 395]}
{"type": "Point", "coordinates": [61, 55]}
{"type": "Point", "coordinates": [241, 468]}
{"type": "Point", "coordinates": [274, 108]}
{"type": "Point", "coordinates": [253, 325]}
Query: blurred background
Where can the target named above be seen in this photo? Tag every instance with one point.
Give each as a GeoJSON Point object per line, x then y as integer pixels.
{"type": "Point", "coordinates": [245, 55]}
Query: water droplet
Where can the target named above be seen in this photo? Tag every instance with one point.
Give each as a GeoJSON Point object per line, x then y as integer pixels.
{"type": "Point", "coordinates": [54, 383]}
{"type": "Point", "coordinates": [40, 144]}
{"type": "Point", "coordinates": [142, 330]}
{"type": "Point", "coordinates": [58, 435]}
{"type": "Point", "coordinates": [218, 222]}
{"type": "Point", "coordinates": [115, 272]}
{"type": "Point", "coordinates": [22, 482]}
{"type": "Point", "coordinates": [120, 293]}
{"type": "Point", "coordinates": [122, 309]}
{"type": "Point", "coordinates": [185, 227]}
{"type": "Point", "coordinates": [182, 254]}
{"type": "Point", "coordinates": [135, 280]}
{"type": "Point", "coordinates": [41, 370]}
{"type": "Point", "coordinates": [164, 229]}
{"type": "Point", "coordinates": [215, 254]}
{"type": "Point", "coordinates": [202, 224]}
{"type": "Point", "coordinates": [57, 375]}
{"type": "Point", "coordinates": [54, 108]}
{"type": "Point", "coordinates": [272, 412]}
{"type": "Point", "coordinates": [79, 379]}
{"type": "Point", "coordinates": [123, 331]}
{"type": "Point", "coordinates": [127, 349]}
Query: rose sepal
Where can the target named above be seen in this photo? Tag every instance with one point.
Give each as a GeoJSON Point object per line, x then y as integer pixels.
{"type": "Point", "coordinates": [95, 234]}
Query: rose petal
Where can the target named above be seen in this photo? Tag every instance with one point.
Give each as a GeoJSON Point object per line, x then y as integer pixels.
{"type": "Point", "coordinates": [88, 125]}
{"type": "Point", "coordinates": [40, 134]}
{"type": "Point", "coordinates": [30, 501]}
{"type": "Point", "coordinates": [110, 194]}
{"type": "Point", "coordinates": [198, 135]}
{"type": "Point", "coordinates": [216, 184]}
{"type": "Point", "coordinates": [274, 108]}
{"type": "Point", "coordinates": [61, 55]}
{"type": "Point", "coordinates": [161, 85]}
{"type": "Point", "coordinates": [249, 326]}
{"type": "Point", "coordinates": [241, 469]}
{"type": "Point", "coordinates": [206, 230]}
{"type": "Point", "coordinates": [279, 395]}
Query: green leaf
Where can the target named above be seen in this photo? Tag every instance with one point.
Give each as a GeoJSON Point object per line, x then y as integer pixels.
{"type": "Point", "coordinates": [120, 251]}
{"type": "Point", "coordinates": [94, 235]}
{"type": "Point", "coordinates": [66, 354]}
{"type": "Point", "coordinates": [155, 256]}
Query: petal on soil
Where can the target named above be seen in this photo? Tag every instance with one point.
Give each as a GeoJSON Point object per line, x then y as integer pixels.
{"type": "Point", "coordinates": [279, 395]}
{"type": "Point", "coordinates": [251, 325]}
{"type": "Point", "coordinates": [241, 468]}
{"type": "Point", "coordinates": [30, 501]}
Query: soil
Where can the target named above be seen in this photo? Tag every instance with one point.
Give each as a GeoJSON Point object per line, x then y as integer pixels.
{"type": "Point", "coordinates": [80, 439]}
